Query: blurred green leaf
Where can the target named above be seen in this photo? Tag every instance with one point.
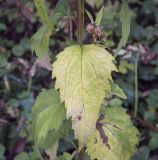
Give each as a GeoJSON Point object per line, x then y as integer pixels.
{"type": "Point", "coordinates": [40, 42]}
{"type": "Point", "coordinates": [22, 156]}
{"type": "Point", "coordinates": [90, 16]}
{"type": "Point", "coordinates": [61, 9]}
{"type": "Point", "coordinates": [153, 144]}
{"type": "Point", "coordinates": [66, 156]}
{"type": "Point", "coordinates": [152, 99]}
{"type": "Point", "coordinates": [125, 16]}
{"type": "Point", "coordinates": [18, 50]}
{"type": "Point", "coordinates": [116, 90]}
{"type": "Point", "coordinates": [142, 153]}
{"type": "Point", "coordinates": [149, 116]}
{"type": "Point", "coordinates": [42, 11]}
{"type": "Point", "coordinates": [2, 150]}
{"type": "Point", "coordinates": [99, 16]}
{"type": "Point", "coordinates": [3, 27]}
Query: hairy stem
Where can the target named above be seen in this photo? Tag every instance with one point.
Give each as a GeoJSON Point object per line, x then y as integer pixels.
{"type": "Point", "coordinates": [80, 155]}
{"type": "Point", "coordinates": [80, 20]}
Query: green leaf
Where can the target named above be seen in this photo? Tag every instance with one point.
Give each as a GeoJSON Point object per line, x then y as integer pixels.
{"type": "Point", "coordinates": [40, 42]}
{"type": "Point", "coordinates": [90, 16]}
{"type": "Point", "coordinates": [18, 50]}
{"type": "Point", "coordinates": [99, 16]}
{"type": "Point", "coordinates": [2, 150]}
{"type": "Point", "coordinates": [153, 144]}
{"type": "Point", "coordinates": [61, 9]}
{"type": "Point", "coordinates": [22, 156]}
{"type": "Point", "coordinates": [125, 16]}
{"type": "Point", "coordinates": [53, 136]}
{"type": "Point", "coordinates": [42, 11]}
{"type": "Point", "coordinates": [66, 156]}
{"type": "Point", "coordinates": [3, 27]}
{"type": "Point", "coordinates": [83, 75]}
{"type": "Point", "coordinates": [116, 90]}
{"type": "Point", "coordinates": [48, 114]}
{"type": "Point", "coordinates": [116, 137]}
{"type": "Point", "coordinates": [143, 153]}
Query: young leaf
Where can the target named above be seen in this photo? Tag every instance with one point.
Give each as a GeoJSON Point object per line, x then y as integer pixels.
{"type": "Point", "coordinates": [83, 75]}
{"type": "Point", "coordinates": [48, 114]}
{"type": "Point", "coordinates": [90, 16]}
{"type": "Point", "coordinates": [116, 90]}
{"type": "Point", "coordinates": [125, 16]}
{"type": "Point", "coordinates": [99, 16]}
{"type": "Point", "coordinates": [40, 42]}
{"type": "Point", "coordinates": [116, 137]}
{"type": "Point", "coordinates": [42, 11]}
{"type": "Point", "coordinates": [61, 9]}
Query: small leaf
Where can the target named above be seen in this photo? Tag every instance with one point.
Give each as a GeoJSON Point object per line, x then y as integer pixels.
{"type": "Point", "coordinates": [116, 139]}
{"type": "Point", "coordinates": [62, 8]}
{"type": "Point", "coordinates": [153, 144]}
{"type": "Point", "coordinates": [66, 156]}
{"type": "Point", "coordinates": [99, 16]}
{"type": "Point", "coordinates": [125, 16]}
{"type": "Point", "coordinates": [116, 90]}
{"type": "Point", "coordinates": [40, 42]}
{"type": "Point", "coordinates": [42, 11]}
{"type": "Point", "coordinates": [83, 75]}
{"type": "Point", "coordinates": [48, 114]}
{"type": "Point", "coordinates": [22, 156]}
{"type": "Point", "coordinates": [18, 50]}
{"type": "Point", "coordinates": [3, 27]}
{"type": "Point", "coordinates": [90, 16]}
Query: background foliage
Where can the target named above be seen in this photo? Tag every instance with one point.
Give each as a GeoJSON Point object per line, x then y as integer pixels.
{"type": "Point", "coordinates": [22, 76]}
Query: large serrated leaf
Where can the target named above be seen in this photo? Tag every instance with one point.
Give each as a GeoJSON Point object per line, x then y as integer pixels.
{"type": "Point", "coordinates": [116, 139]}
{"type": "Point", "coordinates": [83, 75]}
{"type": "Point", "coordinates": [48, 114]}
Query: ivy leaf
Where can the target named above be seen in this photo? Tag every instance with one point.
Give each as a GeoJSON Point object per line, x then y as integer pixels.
{"type": "Point", "coordinates": [115, 138]}
{"type": "Point", "coordinates": [48, 114]}
{"type": "Point", "coordinates": [83, 75]}
{"type": "Point", "coordinates": [125, 16]}
{"type": "Point", "coordinates": [42, 11]}
{"type": "Point", "coordinates": [99, 16]}
{"type": "Point", "coordinates": [40, 42]}
{"type": "Point", "coordinates": [116, 90]}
